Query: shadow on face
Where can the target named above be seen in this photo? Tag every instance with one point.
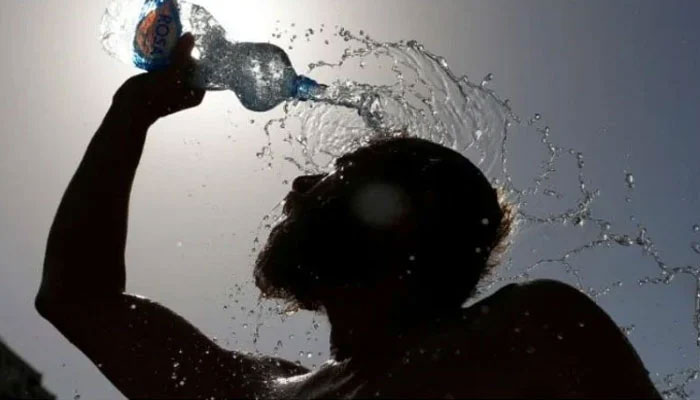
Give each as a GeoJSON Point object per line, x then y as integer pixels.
{"type": "Point", "coordinates": [401, 219]}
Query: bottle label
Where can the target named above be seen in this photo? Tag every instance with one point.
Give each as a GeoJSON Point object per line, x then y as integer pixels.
{"type": "Point", "coordinates": [157, 33]}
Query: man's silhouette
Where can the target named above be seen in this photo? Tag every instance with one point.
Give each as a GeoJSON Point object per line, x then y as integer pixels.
{"type": "Point", "coordinates": [389, 246]}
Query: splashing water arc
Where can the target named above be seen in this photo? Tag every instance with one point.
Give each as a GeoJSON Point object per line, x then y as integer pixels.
{"type": "Point", "coordinates": [421, 97]}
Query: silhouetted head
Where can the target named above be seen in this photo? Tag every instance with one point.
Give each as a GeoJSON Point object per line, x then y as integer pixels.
{"type": "Point", "coordinates": [402, 221]}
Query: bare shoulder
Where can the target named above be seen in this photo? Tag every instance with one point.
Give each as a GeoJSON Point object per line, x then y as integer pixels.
{"type": "Point", "coordinates": [551, 329]}
{"type": "Point", "coordinates": [546, 310]}
{"type": "Point", "coordinates": [550, 299]}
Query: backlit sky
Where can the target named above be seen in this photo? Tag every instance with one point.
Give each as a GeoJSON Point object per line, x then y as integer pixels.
{"type": "Point", "coordinates": [615, 80]}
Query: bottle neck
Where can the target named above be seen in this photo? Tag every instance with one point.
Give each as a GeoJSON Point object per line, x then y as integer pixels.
{"type": "Point", "coordinates": [306, 88]}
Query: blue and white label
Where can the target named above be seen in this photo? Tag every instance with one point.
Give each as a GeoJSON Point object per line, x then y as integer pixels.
{"type": "Point", "coordinates": [157, 33]}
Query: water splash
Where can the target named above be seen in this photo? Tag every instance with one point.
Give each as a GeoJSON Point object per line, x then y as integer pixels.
{"type": "Point", "coordinates": [421, 97]}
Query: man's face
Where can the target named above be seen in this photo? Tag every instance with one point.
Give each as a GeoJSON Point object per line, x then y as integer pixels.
{"type": "Point", "coordinates": [320, 244]}
{"type": "Point", "coordinates": [283, 267]}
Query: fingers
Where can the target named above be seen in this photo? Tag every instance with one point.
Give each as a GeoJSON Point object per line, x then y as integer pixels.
{"type": "Point", "coordinates": [182, 63]}
{"type": "Point", "coordinates": [195, 97]}
{"type": "Point", "coordinates": [183, 49]}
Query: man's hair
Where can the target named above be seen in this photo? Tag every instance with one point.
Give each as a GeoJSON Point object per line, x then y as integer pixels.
{"type": "Point", "coordinates": [457, 226]}
{"type": "Point", "coordinates": [450, 225]}
{"type": "Point", "coordinates": [403, 218]}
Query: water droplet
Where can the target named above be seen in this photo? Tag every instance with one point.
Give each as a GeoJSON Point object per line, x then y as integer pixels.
{"type": "Point", "coordinates": [537, 117]}
{"type": "Point", "coordinates": [629, 179]}
{"type": "Point", "coordinates": [485, 221]}
{"type": "Point", "coordinates": [696, 247]}
{"type": "Point", "coordinates": [309, 355]}
{"type": "Point", "coordinates": [133, 306]}
{"type": "Point", "coordinates": [696, 228]}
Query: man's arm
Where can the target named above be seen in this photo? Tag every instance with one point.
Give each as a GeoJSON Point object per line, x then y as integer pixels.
{"type": "Point", "coordinates": [145, 349]}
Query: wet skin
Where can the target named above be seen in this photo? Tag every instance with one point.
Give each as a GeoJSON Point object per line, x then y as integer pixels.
{"type": "Point", "coordinates": [540, 339]}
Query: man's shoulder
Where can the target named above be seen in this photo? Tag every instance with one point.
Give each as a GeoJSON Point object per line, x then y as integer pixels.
{"type": "Point", "coordinates": [547, 337]}
{"type": "Point", "coordinates": [549, 318]}
{"type": "Point", "coordinates": [541, 296]}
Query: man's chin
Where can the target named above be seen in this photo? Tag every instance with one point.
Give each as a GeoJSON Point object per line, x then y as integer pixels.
{"type": "Point", "coordinates": [277, 269]}
{"type": "Point", "coordinates": [272, 265]}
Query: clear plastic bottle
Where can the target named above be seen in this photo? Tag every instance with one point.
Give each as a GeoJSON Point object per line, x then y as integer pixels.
{"type": "Point", "coordinates": [144, 33]}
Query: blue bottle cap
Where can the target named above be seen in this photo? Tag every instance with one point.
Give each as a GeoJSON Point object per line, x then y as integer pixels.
{"type": "Point", "coordinates": [305, 88]}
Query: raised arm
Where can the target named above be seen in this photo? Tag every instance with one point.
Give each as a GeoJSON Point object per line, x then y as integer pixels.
{"type": "Point", "coordinates": [146, 350]}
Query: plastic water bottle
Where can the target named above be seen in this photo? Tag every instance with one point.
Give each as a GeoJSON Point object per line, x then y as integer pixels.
{"type": "Point", "coordinates": [144, 33]}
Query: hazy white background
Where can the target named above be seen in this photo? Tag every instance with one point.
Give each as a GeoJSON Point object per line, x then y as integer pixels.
{"type": "Point", "coordinates": [616, 80]}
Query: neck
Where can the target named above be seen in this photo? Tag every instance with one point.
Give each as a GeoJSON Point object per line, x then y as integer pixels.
{"type": "Point", "coordinates": [353, 336]}
{"type": "Point", "coordinates": [368, 330]}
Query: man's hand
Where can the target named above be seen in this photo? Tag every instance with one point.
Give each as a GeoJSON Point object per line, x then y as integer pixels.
{"type": "Point", "coordinates": [153, 95]}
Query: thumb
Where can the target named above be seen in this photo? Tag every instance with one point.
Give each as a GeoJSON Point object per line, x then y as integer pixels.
{"type": "Point", "coordinates": [183, 49]}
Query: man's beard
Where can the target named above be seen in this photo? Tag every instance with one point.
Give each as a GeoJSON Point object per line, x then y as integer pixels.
{"type": "Point", "coordinates": [280, 272]}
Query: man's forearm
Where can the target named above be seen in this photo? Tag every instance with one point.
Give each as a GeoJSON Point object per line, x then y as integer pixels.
{"type": "Point", "coordinates": [85, 250]}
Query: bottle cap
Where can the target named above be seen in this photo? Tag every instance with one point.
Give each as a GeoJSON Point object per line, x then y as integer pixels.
{"type": "Point", "coordinates": [305, 88]}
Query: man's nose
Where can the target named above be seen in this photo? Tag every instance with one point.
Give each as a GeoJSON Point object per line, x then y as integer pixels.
{"type": "Point", "coordinates": [303, 184]}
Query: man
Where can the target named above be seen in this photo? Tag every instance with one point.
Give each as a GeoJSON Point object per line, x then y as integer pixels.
{"type": "Point", "coordinates": [389, 246]}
